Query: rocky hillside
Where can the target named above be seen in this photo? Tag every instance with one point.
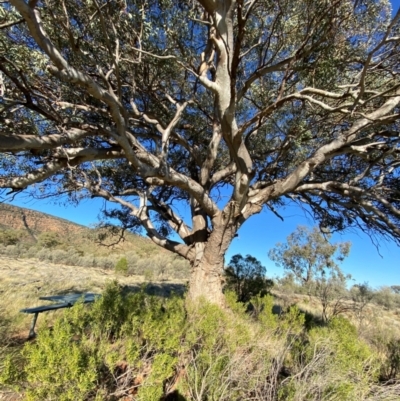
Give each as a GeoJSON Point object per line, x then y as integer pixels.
{"type": "Point", "coordinates": [25, 233]}
{"type": "Point", "coordinates": [33, 223]}
{"type": "Point", "coordinates": [18, 218]}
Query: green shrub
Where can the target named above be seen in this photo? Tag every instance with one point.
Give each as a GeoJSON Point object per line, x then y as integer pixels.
{"type": "Point", "coordinates": [391, 368]}
{"type": "Point", "coordinates": [10, 237]}
{"type": "Point", "coordinates": [337, 365]}
{"type": "Point", "coordinates": [122, 266]}
{"type": "Point", "coordinates": [246, 276]}
{"type": "Point", "coordinates": [155, 345]}
{"type": "Point", "coordinates": [49, 240]}
{"type": "Point", "coordinates": [60, 366]}
{"type": "Point", "coordinates": [11, 374]}
{"type": "Point", "coordinates": [80, 355]}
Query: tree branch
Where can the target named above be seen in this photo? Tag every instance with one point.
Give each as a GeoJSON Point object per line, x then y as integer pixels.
{"type": "Point", "coordinates": [10, 143]}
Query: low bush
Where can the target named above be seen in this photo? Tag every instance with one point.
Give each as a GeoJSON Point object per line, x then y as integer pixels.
{"type": "Point", "coordinates": [58, 256]}
{"type": "Point", "coordinates": [393, 360]}
{"type": "Point", "coordinates": [49, 240]}
{"type": "Point", "coordinates": [10, 237]}
{"type": "Point", "coordinates": [386, 297]}
{"type": "Point", "coordinates": [122, 266]}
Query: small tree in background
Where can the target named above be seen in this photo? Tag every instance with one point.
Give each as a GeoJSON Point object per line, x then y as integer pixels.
{"type": "Point", "coordinates": [395, 289]}
{"type": "Point", "coordinates": [308, 254]}
{"type": "Point", "coordinates": [313, 261]}
{"type": "Point", "coordinates": [330, 289]}
{"type": "Point", "coordinates": [247, 277]}
{"type": "Point", "coordinates": [362, 295]}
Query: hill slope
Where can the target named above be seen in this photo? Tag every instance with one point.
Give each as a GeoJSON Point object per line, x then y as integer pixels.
{"type": "Point", "coordinates": [30, 234]}
{"type": "Point", "coordinates": [19, 218]}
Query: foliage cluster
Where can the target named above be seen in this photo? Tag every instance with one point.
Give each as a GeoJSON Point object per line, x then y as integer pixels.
{"type": "Point", "coordinates": [142, 347]}
{"type": "Point", "coordinates": [246, 276]}
{"type": "Point", "coordinates": [122, 266]}
{"type": "Point", "coordinates": [10, 237]}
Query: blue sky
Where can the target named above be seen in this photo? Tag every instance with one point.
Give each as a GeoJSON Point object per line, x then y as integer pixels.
{"type": "Point", "coordinates": [258, 235]}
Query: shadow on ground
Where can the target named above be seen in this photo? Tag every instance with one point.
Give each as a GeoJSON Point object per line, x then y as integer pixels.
{"type": "Point", "coordinates": [160, 289]}
{"type": "Point", "coordinates": [174, 396]}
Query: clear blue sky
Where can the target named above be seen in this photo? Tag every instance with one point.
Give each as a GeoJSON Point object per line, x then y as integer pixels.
{"type": "Point", "coordinates": [258, 235]}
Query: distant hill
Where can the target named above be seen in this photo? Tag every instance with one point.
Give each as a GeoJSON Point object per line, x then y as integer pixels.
{"type": "Point", "coordinates": [35, 223]}
{"type": "Point", "coordinates": [26, 233]}
{"type": "Point", "coordinates": [19, 218]}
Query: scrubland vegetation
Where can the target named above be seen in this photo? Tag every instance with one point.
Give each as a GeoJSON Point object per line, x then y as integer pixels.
{"type": "Point", "coordinates": [141, 347]}
{"type": "Point", "coordinates": [96, 248]}
{"type": "Point", "coordinates": [188, 119]}
{"type": "Point", "coordinates": [279, 339]}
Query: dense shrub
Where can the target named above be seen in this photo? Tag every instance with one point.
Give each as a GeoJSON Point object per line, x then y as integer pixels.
{"type": "Point", "coordinates": [49, 240]}
{"type": "Point", "coordinates": [147, 347]}
{"type": "Point", "coordinates": [44, 255]}
{"type": "Point", "coordinates": [84, 349]}
{"type": "Point", "coordinates": [10, 237]}
{"type": "Point", "coordinates": [15, 251]}
{"type": "Point", "coordinates": [393, 360]}
{"type": "Point", "coordinates": [386, 297]}
{"type": "Point", "coordinates": [105, 262]}
{"type": "Point", "coordinates": [246, 277]}
{"type": "Point", "coordinates": [58, 256]}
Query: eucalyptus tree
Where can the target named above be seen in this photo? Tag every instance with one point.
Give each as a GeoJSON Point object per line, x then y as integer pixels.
{"type": "Point", "coordinates": [314, 262]}
{"type": "Point", "coordinates": [228, 106]}
{"type": "Point", "coordinates": [308, 255]}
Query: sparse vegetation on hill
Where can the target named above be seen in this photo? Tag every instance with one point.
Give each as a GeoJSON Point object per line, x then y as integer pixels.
{"type": "Point", "coordinates": [74, 245]}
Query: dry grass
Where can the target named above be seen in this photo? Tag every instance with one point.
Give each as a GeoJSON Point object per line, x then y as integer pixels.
{"type": "Point", "coordinates": [374, 317]}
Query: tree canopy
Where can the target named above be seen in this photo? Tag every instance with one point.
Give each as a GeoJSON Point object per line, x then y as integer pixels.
{"type": "Point", "coordinates": [228, 106]}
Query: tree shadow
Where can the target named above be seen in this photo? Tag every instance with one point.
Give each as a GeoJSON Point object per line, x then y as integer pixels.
{"type": "Point", "coordinates": [164, 290]}
{"type": "Point", "coordinates": [174, 396]}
